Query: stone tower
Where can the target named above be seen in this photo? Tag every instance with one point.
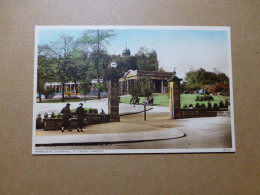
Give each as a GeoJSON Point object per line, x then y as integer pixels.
{"type": "Point", "coordinates": [126, 52]}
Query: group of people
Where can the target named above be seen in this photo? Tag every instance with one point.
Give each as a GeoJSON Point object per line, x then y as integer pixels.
{"type": "Point", "coordinates": [66, 117]}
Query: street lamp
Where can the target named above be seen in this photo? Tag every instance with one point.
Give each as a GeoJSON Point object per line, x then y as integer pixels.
{"type": "Point", "coordinates": [113, 65]}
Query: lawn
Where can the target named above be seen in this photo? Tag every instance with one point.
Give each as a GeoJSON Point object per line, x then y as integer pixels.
{"type": "Point", "coordinates": [162, 99]}
{"type": "Point", "coordinates": [190, 99]}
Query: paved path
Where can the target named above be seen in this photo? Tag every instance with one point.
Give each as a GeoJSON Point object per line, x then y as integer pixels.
{"type": "Point", "coordinates": [109, 138]}
{"type": "Point", "coordinates": [42, 108]}
{"type": "Point", "coordinates": [201, 135]}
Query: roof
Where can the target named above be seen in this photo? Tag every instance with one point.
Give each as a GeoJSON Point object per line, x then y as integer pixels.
{"type": "Point", "coordinates": [153, 52]}
{"type": "Point", "coordinates": [154, 73]}
{"type": "Point", "coordinates": [58, 83]}
{"type": "Point", "coordinates": [129, 75]}
{"type": "Point", "coordinates": [134, 74]}
{"type": "Point", "coordinates": [126, 51]}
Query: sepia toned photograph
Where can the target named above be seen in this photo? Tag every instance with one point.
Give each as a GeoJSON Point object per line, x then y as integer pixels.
{"type": "Point", "coordinates": [132, 89]}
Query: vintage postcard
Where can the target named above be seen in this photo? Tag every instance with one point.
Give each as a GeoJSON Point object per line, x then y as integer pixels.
{"type": "Point", "coordinates": [132, 89]}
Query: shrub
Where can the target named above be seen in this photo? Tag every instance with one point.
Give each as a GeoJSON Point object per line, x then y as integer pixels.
{"type": "Point", "coordinates": [87, 110]}
{"type": "Point", "coordinates": [204, 98]}
{"type": "Point", "coordinates": [185, 106]}
{"type": "Point", "coordinates": [209, 105]}
{"type": "Point", "coordinates": [220, 87]}
{"type": "Point", "coordinates": [142, 87]}
{"type": "Point", "coordinates": [210, 98]}
{"type": "Point", "coordinates": [203, 106]}
{"type": "Point", "coordinates": [135, 100]}
{"type": "Point", "coordinates": [215, 105]}
{"type": "Point", "coordinates": [221, 104]}
{"type": "Point", "coordinates": [227, 103]}
{"type": "Point", "coordinates": [93, 111]}
{"type": "Point", "coordinates": [197, 105]}
{"type": "Point", "coordinates": [52, 115]}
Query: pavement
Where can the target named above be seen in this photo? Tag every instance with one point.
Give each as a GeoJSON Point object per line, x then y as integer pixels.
{"type": "Point", "coordinates": [42, 108]}
{"type": "Point", "coordinates": [108, 138]}
{"type": "Point", "coordinates": [131, 128]}
{"type": "Point", "coordinates": [199, 134]}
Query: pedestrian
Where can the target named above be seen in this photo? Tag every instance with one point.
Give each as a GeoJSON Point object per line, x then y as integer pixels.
{"type": "Point", "coordinates": [66, 115]}
{"type": "Point", "coordinates": [80, 117]}
{"type": "Point", "coordinates": [102, 111]}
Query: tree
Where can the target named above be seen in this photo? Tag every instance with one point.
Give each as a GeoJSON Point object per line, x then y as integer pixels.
{"type": "Point", "coordinates": [143, 51]}
{"type": "Point", "coordinates": [63, 46]}
{"type": "Point", "coordinates": [197, 79]}
{"type": "Point", "coordinates": [97, 40]}
{"type": "Point", "coordinates": [125, 64]}
{"type": "Point", "coordinates": [78, 69]}
{"type": "Point", "coordinates": [102, 86]}
{"type": "Point", "coordinates": [61, 50]}
{"type": "Point", "coordinates": [48, 91]}
{"type": "Point", "coordinates": [85, 87]}
{"type": "Point", "coordinates": [223, 78]}
{"type": "Point", "coordinates": [145, 61]}
{"type": "Point", "coordinates": [46, 70]}
{"type": "Point", "coordinates": [142, 87]}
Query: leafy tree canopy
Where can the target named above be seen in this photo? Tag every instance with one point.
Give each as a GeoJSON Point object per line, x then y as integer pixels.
{"type": "Point", "coordinates": [142, 87]}
{"type": "Point", "coordinates": [196, 79]}
{"type": "Point", "coordinates": [145, 61]}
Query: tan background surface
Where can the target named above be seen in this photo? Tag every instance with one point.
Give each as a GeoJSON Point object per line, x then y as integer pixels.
{"type": "Point", "coordinates": [22, 173]}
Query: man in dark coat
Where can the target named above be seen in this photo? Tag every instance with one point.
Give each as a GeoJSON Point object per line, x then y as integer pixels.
{"type": "Point", "coordinates": [80, 117]}
{"type": "Point", "coordinates": [66, 117]}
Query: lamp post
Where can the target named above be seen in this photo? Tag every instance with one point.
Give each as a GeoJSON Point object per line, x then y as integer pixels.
{"type": "Point", "coordinates": [113, 65]}
{"type": "Point", "coordinates": [145, 103]}
{"type": "Point", "coordinates": [113, 94]}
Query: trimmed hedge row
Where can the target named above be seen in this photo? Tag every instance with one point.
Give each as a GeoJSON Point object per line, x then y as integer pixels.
{"type": "Point", "coordinates": [87, 111]}
{"type": "Point", "coordinates": [209, 106]}
{"type": "Point", "coordinates": [204, 98]}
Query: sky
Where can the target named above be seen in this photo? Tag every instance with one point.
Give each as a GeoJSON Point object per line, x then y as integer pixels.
{"type": "Point", "coordinates": [178, 48]}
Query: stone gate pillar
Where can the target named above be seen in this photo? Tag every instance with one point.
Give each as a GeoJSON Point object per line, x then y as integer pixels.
{"type": "Point", "coordinates": [113, 95]}
{"type": "Point", "coordinates": [113, 100]}
{"type": "Point", "coordinates": [175, 97]}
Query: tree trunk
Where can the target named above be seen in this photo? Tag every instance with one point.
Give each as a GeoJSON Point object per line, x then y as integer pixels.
{"type": "Point", "coordinates": [99, 94]}
{"type": "Point", "coordinates": [39, 90]}
{"type": "Point", "coordinates": [76, 87]}
{"type": "Point", "coordinates": [63, 87]}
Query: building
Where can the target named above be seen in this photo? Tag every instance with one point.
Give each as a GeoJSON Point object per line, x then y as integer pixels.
{"type": "Point", "coordinates": [126, 52]}
{"type": "Point", "coordinates": [69, 88]}
{"type": "Point", "coordinates": [159, 81]}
